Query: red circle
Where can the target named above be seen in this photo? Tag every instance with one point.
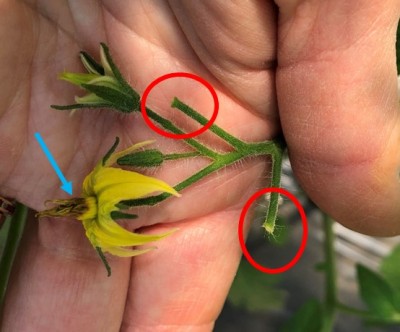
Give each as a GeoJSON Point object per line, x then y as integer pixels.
{"type": "Point", "coordinates": [303, 238]}
{"type": "Point", "coordinates": [172, 75]}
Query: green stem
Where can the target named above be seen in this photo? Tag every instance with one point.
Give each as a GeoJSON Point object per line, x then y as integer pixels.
{"type": "Point", "coordinates": [221, 161]}
{"type": "Point", "coordinates": [270, 220]}
{"type": "Point", "coordinates": [176, 156]}
{"type": "Point", "coordinates": [168, 125]}
{"type": "Point", "coordinates": [190, 112]}
{"type": "Point", "coordinates": [330, 274]}
{"type": "Point", "coordinates": [17, 226]}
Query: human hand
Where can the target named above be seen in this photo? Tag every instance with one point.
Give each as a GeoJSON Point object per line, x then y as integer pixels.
{"type": "Point", "coordinates": [58, 281]}
{"type": "Point", "coordinates": [339, 108]}
{"type": "Point", "coordinates": [216, 39]}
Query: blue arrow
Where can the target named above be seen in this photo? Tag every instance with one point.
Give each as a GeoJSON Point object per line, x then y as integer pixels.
{"type": "Point", "coordinates": [66, 185]}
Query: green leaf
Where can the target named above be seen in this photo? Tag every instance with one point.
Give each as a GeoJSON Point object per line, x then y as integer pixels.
{"type": "Point", "coordinates": [255, 291]}
{"type": "Point", "coordinates": [376, 292]}
{"type": "Point", "coordinates": [321, 267]}
{"type": "Point", "coordinates": [307, 319]}
{"type": "Point", "coordinates": [390, 268]}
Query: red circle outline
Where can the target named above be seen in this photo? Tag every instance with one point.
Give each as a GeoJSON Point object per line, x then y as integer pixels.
{"type": "Point", "coordinates": [172, 75]}
{"type": "Point", "coordinates": [303, 238]}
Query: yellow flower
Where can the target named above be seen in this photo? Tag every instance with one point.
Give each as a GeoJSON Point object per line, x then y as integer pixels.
{"type": "Point", "coordinates": [102, 192]}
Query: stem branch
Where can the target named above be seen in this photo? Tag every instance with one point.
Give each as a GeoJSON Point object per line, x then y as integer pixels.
{"type": "Point", "coordinates": [176, 156]}
{"type": "Point", "coordinates": [168, 125]}
{"type": "Point", "coordinates": [190, 112]}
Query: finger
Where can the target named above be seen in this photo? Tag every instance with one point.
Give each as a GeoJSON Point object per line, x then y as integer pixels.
{"type": "Point", "coordinates": [183, 285]}
{"type": "Point", "coordinates": [338, 102]}
{"type": "Point", "coordinates": [59, 282]}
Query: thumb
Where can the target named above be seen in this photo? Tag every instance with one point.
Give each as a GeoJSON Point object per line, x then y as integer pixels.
{"type": "Point", "coordinates": [338, 102]}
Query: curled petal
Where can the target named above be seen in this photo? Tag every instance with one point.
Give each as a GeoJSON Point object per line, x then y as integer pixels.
{"type": "Point", "coordinates": [112, 185]}
{"type": "Point", "coordinates": [77, 78]}
{"type": "Point", "coordinates": [104, 62]}
{"type": "Point", "coordinates": [90, 64]}
{"type": "Point", "coordinates": [106, 81]}
{"type": "Point", "coordinates": [90, 99]}
{"type": "Point", "coordinates": [125, 252]}
{"type": "Point", "coordinates": [109, 233]}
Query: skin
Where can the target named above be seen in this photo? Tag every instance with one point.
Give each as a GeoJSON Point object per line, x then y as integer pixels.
{"type": "Point", "coordinates": [334, 83]}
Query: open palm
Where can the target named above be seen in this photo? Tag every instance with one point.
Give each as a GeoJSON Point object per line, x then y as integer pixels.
{"type": "Point", "coordinates": [59, 281]}
{"type": "Point", "coordinates": [172, 286]}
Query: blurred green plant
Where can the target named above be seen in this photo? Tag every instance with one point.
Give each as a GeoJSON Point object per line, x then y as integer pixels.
{"type": "Point", "coordinates": [307, 318]}
{"type": "Point", "coordinates": [3, 234]}
{"type": "Point", "coordinates": [11, 239]}
{"type": "Point", "coordinates": [380, 292]}
{"type": "Point", "coordinates": [250, 289]}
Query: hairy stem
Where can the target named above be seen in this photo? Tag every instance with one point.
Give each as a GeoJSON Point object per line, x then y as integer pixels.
{"type": "Point", "coordinates": [190, 112]}
{"type": "Point", "coordinates": [270, 219]}
{"type": "Point", "coordinates": [168, 125]}
{"type": "Point", "coordinates": [220, 161]}
{"type": "Point", "coordinates": [176, 156]}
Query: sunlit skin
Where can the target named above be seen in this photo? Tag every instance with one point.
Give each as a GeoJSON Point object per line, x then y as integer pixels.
{"type": "Point", "coordinates": [335, 84]}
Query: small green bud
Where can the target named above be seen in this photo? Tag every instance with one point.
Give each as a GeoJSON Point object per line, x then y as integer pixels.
{"type": "Point", "coordinates": [146, 158]}
{"type": "Point", "coordinates": [104, 84]}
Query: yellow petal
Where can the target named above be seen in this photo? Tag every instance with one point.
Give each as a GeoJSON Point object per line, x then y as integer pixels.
{"type": "Point", "coordinates": [112, 185]}
{"type": "Point", "coordinates": [124, 252]}
{"type": "Point", "coordinates": [109, 233]}
{"type": "Point", "coordinates": [90, 98]}
{"type": "Point", "coordinates": [107, 81]}
{"type": "Point", "coordinates": [77, 78]}
{"type": "Point", "coordinates": [91, 209]}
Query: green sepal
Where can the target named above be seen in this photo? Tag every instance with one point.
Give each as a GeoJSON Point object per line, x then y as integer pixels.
{"type": "Point", "coordinates": [77, 106]}
{"type": "Point", "coordinates": [309, 318]}
{"type": "Point", "coordinates": [104, 260]}
{"type": "Point", "coordinates": [116, 71]}
{"type": "Point", "coordinates": [111, 151]}
{"type": "Point", "coordinates": [119, 100]}
{"type": "Point", "coordinates": [146, 158]}
{"type": "Point", "coordinates": [125, 87]}
{"type": "Point", "coordinates": [115, 215]}
{"type": "Point", "coordinates": [377, 294]}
